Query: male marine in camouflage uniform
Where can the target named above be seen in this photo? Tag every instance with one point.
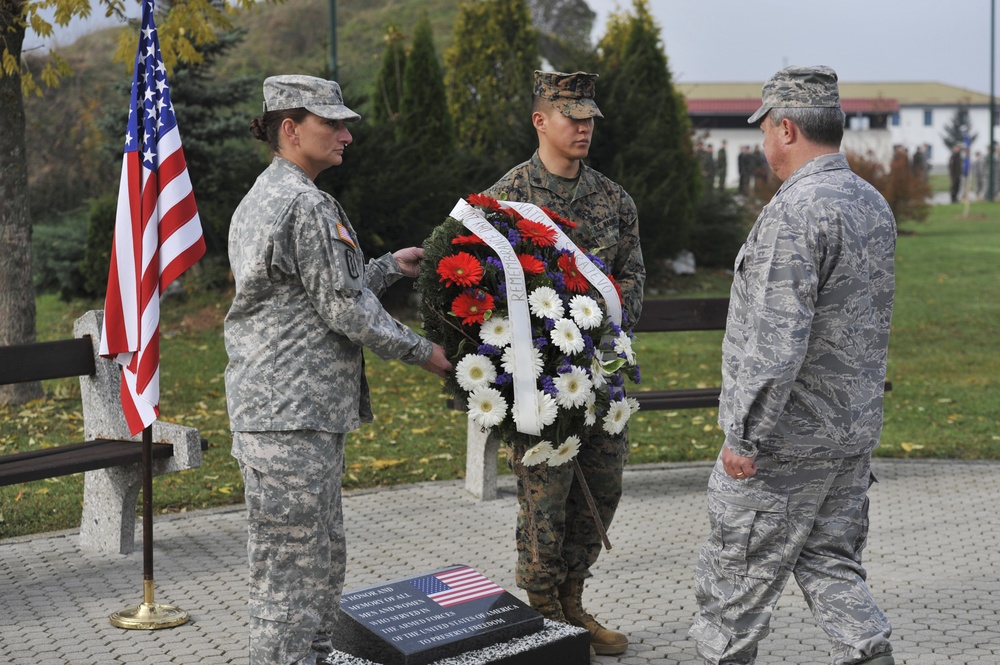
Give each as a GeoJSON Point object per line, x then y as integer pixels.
{"type": "Point", "coordinates": [304, 307]}
{"type": "Point", "coordinates": [804, 360]}
{"type": "Point", "coordinates": [607, 225]}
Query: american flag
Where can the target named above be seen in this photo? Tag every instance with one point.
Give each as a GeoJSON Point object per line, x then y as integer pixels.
{"type": "Point", "coordinates": [456, 586]}
{"type": "Point", "coordinates": [157, 232]}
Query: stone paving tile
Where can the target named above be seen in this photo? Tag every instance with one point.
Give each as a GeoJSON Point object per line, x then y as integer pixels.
{"type": "Point", "coordinates": [932, 559]}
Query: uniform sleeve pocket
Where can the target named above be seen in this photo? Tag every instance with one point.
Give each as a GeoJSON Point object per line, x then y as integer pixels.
{"type": "Point", "coordinates": [753, 533]}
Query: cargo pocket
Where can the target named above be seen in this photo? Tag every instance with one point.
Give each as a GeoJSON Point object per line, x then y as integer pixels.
{"type": "Point", "coordinates": [266, 609]}
{"type": "Point", "coordinates": [753, 533]}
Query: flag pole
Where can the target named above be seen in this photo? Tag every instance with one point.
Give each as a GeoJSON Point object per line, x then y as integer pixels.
{"type": "Point", "coordinates": [149, 615]}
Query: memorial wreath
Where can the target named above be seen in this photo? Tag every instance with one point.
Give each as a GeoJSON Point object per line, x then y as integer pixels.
{"type": "Point", "coordinates": [532, 324]}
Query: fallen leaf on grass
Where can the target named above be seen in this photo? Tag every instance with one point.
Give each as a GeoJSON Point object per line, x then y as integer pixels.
{"type": "Point", "coordinates": [910, 447]}
{"type": "Point", "coordinates": [386, 463]}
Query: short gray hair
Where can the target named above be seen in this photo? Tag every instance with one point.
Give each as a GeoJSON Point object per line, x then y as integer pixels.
{"type": "Point", "coordinates": [824, 126]}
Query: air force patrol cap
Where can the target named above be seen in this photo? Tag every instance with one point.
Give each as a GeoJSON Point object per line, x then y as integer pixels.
{"type": "Point", "coordinates": [798, 87]}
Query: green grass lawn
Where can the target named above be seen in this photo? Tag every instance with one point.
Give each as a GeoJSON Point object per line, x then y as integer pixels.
{"type": "Point", "coordinates": [943, 364]}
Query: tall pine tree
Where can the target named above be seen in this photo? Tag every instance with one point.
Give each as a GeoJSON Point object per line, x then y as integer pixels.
{"type": "Point", "coordinates": [425, 117]}
{"type": "Point", "coordinates": [489, 79]}
{"type": "Point", "coordinates": [645, 142]}
{"type": "Point", "coordinates": [388, 94]}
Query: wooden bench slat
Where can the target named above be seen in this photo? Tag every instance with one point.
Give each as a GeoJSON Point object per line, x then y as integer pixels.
{"type": "Point", "coordinates": [683, 314]}
{"type": "Point", "coordinates": [46, 360]}
{"type": "Point", "coordinates": [74, 458]}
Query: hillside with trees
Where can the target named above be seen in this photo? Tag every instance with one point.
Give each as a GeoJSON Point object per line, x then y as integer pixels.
{"type": "Point", "coordinates": [444, 88]}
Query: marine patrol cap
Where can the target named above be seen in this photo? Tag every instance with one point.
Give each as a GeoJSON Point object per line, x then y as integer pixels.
{"type": "Point", "coordinates": [572, 94]}
{"type": "Point", "coordinates": [798, 87]}
{"type": "Point", "coordinates": [315, 95]}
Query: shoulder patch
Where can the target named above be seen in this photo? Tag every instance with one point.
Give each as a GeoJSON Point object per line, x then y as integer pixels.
{"type": "Point", "coordinates": [345, 235]}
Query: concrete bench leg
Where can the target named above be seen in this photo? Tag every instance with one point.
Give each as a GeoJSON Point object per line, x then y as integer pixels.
{"type": "Point", "coordinates": [108, 522]}
{"type": "Point", "coordinates": [481, 452]}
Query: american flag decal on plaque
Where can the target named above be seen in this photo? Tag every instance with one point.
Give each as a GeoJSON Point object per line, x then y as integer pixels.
{"type": "Point", "coordinates": [456, 586]}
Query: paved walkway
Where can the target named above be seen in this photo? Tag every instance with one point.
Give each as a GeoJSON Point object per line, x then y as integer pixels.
{"type": "Point", "coordinates": [933, 558]}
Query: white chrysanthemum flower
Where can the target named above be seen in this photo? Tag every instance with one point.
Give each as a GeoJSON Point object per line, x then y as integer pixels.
{"type": "Point", "coordinates": [496, 331]}
{"type": "Point", "coordinates": [508, 364]}
{"type": "Point", "coordinates": [565, 452]}
{"type": "Point", "coordinates": [567, 336]}
{"type": "Point", "coordinates": [573, 387]}
{"type": "Point", "coordinates": [538, 453]}
{"type": "Point", "coordinates": [475, 371]}
{"type": "Point", "coordinates": [633, 404]}
{"type": "Point", "coordinates": [586, 312]}
{"type": "Point", "coordinates": [617, 417]}
{"type": "Point", "coordinates": [547, 410]}
{"type": "Point", "coordinates": [590, 410]}
{"type": "Point", "coordinates": [487, 406]}
{"type": "Point", "coordinates": [545, 303]}
{"type": "Point", "coordinates": [623, 346]}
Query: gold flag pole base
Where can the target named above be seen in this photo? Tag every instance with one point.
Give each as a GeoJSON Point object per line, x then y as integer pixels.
{"type": "Point", "coordinates": [149, 615]}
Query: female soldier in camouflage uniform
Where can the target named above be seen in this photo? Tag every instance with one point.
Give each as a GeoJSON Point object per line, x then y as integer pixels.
{"type": "Point", "coordinates": [305, 305]}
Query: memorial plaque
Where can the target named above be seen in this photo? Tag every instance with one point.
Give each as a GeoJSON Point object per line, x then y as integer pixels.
{"type": "Point", "coordinates": [422, 619]}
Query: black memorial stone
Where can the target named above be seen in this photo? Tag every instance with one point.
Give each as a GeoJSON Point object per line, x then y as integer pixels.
{"type": "Point", "coordinates": [438, 615]}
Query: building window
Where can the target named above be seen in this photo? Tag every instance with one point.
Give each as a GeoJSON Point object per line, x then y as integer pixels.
{"type": "Point", "coordinates": [895, 120]}
{"type": "Point", "coordinates": [928, 117]}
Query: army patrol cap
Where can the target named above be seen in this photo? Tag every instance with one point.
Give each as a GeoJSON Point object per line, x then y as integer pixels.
{"type": "Point", "coordinates": [315, 95]}
{"type": "Point", "coordinates": [572, 94]}
{"type": "Point", "coordinates": [798, 87]}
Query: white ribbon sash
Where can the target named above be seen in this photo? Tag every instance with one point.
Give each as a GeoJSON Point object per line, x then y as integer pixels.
{"type": "Point", "coordinates": [591, 272]}
{"type": "Point", "coordinates": [525, 393]}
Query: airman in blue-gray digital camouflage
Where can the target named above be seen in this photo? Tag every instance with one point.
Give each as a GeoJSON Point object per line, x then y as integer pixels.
{"type": "Point", "coordinates": [803, 374]}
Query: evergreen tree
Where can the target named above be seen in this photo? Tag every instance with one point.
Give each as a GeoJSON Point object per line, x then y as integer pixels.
{"type": "Point", "coordinates": [564, 28]}
{"type": "Point", "coordinates": [425, 116]}
{"type": "Point", "coordinates": [223, 159]}
{"type": "Point", "coordinates": [645, 143]}
{"type": "Point", "coordinates": [958, 128]}
{"type": "Point", "coordinates": [489, 79]}
{"type": "Point", "coordinates": [388, 94]}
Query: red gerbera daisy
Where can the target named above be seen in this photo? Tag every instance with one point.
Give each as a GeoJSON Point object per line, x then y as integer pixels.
{"type": "Point", "coordinates": [468, 240]}
{"type": "Point", "coordinates": [462, 269]}
{"type": "Point", "coordinates": [559, 219]}
{"type": "Point", "coordinates": [483, 201]}
{"type": "Point", "coordinates": [575, 281]}
{"type": "Point", "coordinates": [540, 234]}
{"type": "Point", "coordinates": [471, 306]}
{"type": "Point", "coordinates": [530, 264]}
{"type": "Point", "coordinates": [618, 288]}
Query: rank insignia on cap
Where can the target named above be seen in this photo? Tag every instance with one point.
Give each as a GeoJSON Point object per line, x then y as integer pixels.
{"type": "Point", "coordinates": [345, 235]}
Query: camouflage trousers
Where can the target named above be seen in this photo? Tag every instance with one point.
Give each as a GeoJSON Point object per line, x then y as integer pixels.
{"type": "Point", "coordinates": [298, 558]}
{"type": "Point", "coordinates": [797, 516]}
{"type": "Point", "coordinates": [557, 537]}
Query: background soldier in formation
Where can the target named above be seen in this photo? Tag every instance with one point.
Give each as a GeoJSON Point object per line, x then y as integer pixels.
{"type": "Point", "coordinates": [607, 225]}
{"type": "Point", "coordinates": [803, 366]}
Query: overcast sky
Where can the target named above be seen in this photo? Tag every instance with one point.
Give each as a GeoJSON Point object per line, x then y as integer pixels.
{"type": "Point", "coordinates": [947, 41]}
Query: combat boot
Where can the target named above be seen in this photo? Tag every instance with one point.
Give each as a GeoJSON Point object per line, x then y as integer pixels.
{"type": "Point", "coordinates": [547, 604]}
{"type": "Point", "coordinates": [605, 642]}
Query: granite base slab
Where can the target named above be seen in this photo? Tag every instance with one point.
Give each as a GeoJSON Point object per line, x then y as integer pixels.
{"type": "Point", "coordinates": [554, 643]}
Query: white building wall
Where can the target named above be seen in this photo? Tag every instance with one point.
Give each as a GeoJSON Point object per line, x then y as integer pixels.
{"type": "Point", "coordinates": [912, 132]}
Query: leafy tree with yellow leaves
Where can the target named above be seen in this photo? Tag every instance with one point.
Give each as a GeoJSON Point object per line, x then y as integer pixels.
{"type": "Point", "coordinates": [183, 28]}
